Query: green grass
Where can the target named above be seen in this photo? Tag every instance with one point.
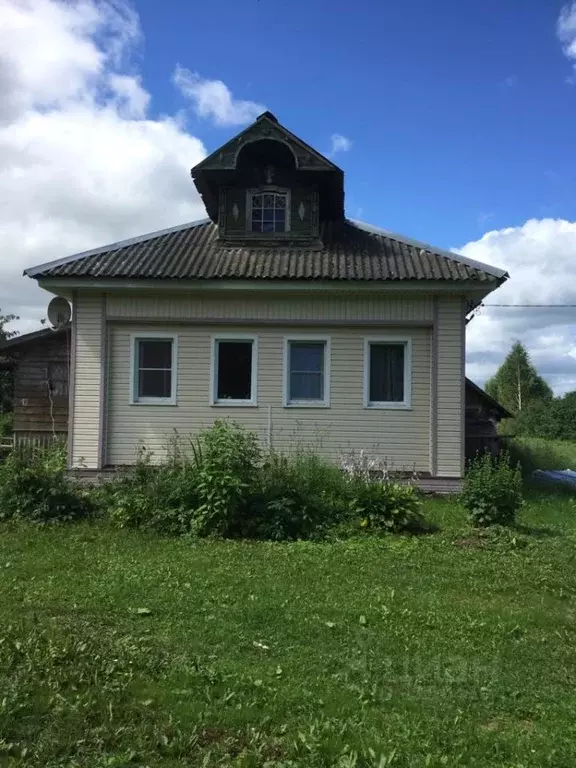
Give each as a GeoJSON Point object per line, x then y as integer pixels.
{"type": "Point", "coordinates": [119, 648]}
{"type": "Point", "coordinates": [536, 453]}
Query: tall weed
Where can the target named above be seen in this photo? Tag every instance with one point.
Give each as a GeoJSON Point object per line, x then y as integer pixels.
{"type": "Point", "coordinates": [492, 491]}
{"type": "Point", "coordinates": [34, 486]}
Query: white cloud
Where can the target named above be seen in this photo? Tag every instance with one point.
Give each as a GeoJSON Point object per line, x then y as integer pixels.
{"type": "Point", "coordinates": [81, 162]}
{"type": "Point", "coordinates": [212, 99]}
{"type": "Point", "coordinates": [510, 81]}
{"type": "Point", "coordinates": [566, 30]}
{"type": "Point", "coordinates": [540, 259]}
{"type": "Point", "coordinates": [339, 143]}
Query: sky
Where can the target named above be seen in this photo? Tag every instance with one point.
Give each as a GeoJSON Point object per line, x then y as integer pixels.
{"type": "Point", "coordinates": [454, 123]}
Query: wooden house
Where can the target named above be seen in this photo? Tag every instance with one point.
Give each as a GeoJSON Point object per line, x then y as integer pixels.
{"type": "Point", "coordinates": [40, 362]}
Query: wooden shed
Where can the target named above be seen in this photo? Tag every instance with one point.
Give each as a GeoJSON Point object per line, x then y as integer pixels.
{"type": "Point", "coordinates": [482, 416]}
{"type": "Point", "coordinates": [40, 362]}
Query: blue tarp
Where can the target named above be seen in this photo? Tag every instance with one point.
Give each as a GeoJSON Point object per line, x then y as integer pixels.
{"type": "Point", "coordinates": [566, 476]}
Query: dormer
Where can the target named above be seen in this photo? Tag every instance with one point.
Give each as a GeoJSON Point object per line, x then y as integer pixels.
{"type": "Point", "coordinates": [268, 186]}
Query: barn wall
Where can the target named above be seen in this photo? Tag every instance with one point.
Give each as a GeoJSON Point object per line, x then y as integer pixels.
{"type": "Point", "coordinates": [41, 381]}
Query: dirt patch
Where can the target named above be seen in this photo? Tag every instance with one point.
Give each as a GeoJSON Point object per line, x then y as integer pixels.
{"type": "Point", "coordinates": [214, 735]}
{"type": "Point", "coordinates": [470, 543]}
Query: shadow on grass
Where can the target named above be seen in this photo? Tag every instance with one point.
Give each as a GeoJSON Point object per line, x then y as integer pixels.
{"type": "Point", "coordinates": [421, 528]}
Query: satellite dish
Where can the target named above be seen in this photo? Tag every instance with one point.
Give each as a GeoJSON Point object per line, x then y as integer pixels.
{"type": "Point", "coordinates": [59, 312]}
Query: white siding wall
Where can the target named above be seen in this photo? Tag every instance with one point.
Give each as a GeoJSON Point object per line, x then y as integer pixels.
{"type": "Point", "coordinates": [88, 377]}
{"type": "Point", "coordinates": [273, 307]}
{"type": "Point", "coordinates": [428, 437]}
{"type": "Point", "coordinates": [450, 387]}
{"type": "Point", "coordinates": [400, 435]}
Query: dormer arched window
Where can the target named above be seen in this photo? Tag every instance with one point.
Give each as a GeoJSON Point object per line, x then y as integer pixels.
{"type": "Point", "coordinates": [268, 210]}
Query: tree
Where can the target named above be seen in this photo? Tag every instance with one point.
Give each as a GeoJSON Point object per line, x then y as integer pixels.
{"type": "Point", "coordinates": [5, 373]}
{"type": "Point", "coordinates": [552, 419]}
{"type": "Point", "coordinates": [517, 383]}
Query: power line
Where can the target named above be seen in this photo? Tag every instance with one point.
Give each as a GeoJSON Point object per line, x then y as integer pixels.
{"type": "Point", "coordinates": [533, 306]}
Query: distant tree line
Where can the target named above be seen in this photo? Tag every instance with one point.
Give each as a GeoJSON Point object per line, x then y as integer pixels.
{"type": "Point", "coordinates": [518, 386]}
{"type": "Point", "coordinates": [5, 374]}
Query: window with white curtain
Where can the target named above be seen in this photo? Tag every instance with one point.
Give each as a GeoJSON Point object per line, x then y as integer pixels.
{"type": "Point", "coordinates": [387, 373]}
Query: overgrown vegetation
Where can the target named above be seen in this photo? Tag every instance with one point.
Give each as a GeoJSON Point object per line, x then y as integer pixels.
{"type": "Point", "coordinates": [223, 484]}
{"type": "Point", "coordinates": [492, 491]}
{"type": "Point", "coordinates": [537, 453]}
{"type": "Point", "coordinates": [34, 487]}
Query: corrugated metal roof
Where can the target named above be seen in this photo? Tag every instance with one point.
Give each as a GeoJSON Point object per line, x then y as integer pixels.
{"type": "Point", "coordinates": [348, 251]}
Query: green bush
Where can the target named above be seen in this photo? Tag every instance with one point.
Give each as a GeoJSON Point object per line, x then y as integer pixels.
{"type": "Point", "coordinates": [386, 506]}
{"type": "Point", "coordinates": [492, 491]}
{"type": "Point", "coordinates": [34, 486]}
{"type": "Point", "coordinates": [298, 497]}
{"type": "Point", "coordinates": [160, 498]}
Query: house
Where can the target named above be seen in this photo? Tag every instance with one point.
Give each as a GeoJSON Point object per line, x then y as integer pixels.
{"type": "Point", "coordinates": [276, 311]}
{"type": "Point", "coordinates": [39, 362]}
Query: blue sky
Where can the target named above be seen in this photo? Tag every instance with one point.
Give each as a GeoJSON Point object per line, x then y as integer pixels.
{"type": "Point", "coordinates": [456, 123]}
{"type": "Point", "coordinates": [459, 112]}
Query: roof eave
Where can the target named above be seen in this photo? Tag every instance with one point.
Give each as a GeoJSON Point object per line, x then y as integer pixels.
{"type": "Point", "coordinates": [471, 288]}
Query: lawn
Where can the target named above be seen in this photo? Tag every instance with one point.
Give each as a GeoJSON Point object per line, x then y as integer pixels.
{"type": "Point", "coordinates": [120, 648]}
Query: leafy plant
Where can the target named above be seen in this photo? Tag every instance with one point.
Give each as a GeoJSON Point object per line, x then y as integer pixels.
{"type": "Point", "coordinates": [227, 459]}
{"type": "Point", "coordinates": [34, 486]}
{"type": "Point", "coordinates": [386, 506]}
{"type": "Point", "coordinates": [492, 491]}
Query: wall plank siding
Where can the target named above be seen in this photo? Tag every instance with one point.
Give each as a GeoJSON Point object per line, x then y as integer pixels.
{"type": "Point", "coordinates": [38, 408]}
{"type": "Point", "coordinates": [88, 331]}
{"type": "Point", "coordinates": [402, 436]}
{"type": "Point", "coordinates": [273, 308]}
{"type": "Point", "coordinates": [450, 389]}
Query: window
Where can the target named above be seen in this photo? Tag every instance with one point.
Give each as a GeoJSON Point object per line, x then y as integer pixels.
{"type": "Point", "coordinates": [387, 373]}
{"type": "Point", "coordinates": [154, 369]}
{"type": "Point", "coordinates": [269, 211]}
{"type": "Point", "coordinates": [306, 371]}
{"type": "Point", "coordinates": [234, 371]}
{"type": "Point", "coordinates": [58, 379]}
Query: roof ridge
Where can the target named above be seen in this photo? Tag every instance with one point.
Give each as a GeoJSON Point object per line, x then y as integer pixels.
{"type": "Point", "coordinates": [496, 271]}
{"type": "Point", "coordinates": [30, 272]}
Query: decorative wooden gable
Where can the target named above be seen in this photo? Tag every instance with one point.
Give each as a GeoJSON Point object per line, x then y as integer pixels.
{"type": "Point", "coordinates": [268, 128]}
{"type": "Point", "coordinates": [267, 184]}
